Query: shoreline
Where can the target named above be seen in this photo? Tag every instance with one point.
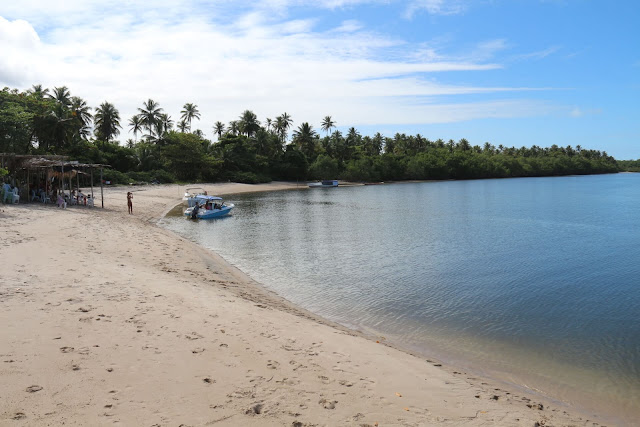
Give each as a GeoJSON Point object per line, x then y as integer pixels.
{"type": "Point", "coordinates": [304, 354]}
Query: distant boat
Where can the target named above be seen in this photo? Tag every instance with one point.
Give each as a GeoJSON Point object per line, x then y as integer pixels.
{"type": "Point", "coordinates": [207, 207]}
{"type": "Point", "coordinates": [327, 183]}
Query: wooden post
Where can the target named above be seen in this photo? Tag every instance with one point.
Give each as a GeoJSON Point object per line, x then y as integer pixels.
{"type": "Point", "coordinates": [62, 178]}
{"type": "Point", "coordinates": [101, 189]}
{"type": "Point", "coordinates": [92, 183]}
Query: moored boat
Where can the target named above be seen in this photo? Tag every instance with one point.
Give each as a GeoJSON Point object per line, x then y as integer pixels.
{"type": "Point", "coordinates": [326, 183]}
{"type": "Point", "coordinates": [207, 207]}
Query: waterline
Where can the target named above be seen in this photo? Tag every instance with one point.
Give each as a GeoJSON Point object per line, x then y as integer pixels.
{"type": "Point", "coordinates": [529, 280]}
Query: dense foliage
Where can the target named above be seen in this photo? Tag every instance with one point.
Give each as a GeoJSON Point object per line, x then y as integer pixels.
{"type": "Point", "coordinates": [40, 121]}
{"type": "Point", "coordinates": [629, 165]}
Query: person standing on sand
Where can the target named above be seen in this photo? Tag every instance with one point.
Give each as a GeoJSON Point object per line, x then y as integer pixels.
{"type": "Point", "coordinates": [130, 201]}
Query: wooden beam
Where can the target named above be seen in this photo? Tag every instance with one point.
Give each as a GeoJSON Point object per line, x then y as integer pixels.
{"type": "Point", "coordinates": [101, 189]}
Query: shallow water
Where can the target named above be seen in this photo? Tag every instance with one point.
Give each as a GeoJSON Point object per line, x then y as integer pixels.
{"type": "Point", "coordinates": [534, 281]}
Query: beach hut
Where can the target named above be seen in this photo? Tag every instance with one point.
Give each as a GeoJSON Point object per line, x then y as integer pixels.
{"type": "Point", "coordinates": [49, 173]}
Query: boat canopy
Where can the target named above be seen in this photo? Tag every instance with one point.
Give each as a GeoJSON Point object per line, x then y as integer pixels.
{"type": "Point", "coordinates": [203, 198]}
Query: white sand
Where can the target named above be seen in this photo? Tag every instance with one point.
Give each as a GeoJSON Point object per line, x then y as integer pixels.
{"type": "Point", "coordinates": [108, 319]}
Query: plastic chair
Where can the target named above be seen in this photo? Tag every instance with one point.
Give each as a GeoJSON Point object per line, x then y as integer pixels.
{"type": "Point", "coordinates": [16, 196]}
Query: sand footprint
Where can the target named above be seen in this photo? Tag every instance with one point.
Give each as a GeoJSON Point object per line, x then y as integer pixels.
{"type": "Point", "coordinates": [325, 380]}
{"type": "Point", "coordinates": [328, 404]}
{"type": "Point", "coordinates": [273, 364]}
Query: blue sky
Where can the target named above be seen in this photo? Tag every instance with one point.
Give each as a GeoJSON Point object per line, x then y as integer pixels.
{"type": "Point", "coordinates": [511, 72]}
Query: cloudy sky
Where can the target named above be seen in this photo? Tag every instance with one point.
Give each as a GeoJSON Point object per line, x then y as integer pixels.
{"type": "Point", "coordinates": [511, 72]}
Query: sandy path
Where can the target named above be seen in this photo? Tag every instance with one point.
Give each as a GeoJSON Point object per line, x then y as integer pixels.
{"type": "Point", "coordinates": [108, 319]}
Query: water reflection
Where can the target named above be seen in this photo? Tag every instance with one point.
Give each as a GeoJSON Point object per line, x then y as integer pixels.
{"type": "Point", "coordinates": [535, 278]}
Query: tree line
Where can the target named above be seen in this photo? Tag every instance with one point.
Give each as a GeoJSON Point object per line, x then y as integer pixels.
{"type": "Point", "coordinates": [43, 121]}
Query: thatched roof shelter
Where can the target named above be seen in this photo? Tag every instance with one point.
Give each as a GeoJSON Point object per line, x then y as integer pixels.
{"type": "Point", "coordinates": [51, 167]}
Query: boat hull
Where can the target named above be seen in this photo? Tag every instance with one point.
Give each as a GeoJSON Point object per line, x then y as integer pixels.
{"type": "Point", "coordinates": [210, 213]}
{"type": "Point", "coordinates": [324, 184]}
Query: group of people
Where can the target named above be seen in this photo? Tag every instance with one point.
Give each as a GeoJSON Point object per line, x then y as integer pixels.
{"type": "Point", "coordinates": [78, 198]}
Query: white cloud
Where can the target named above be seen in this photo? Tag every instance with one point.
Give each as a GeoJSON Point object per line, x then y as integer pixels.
{"type": "Point", "coordinates": [19, 42]}
{"type": "Point", "coordinates": [226, 63]}
{"type": "Point", "coordinates": [435, 7]}
{"type": "Point", "coordinates": [539, 54]}
{"type": "Point", "coordinates": [579, 112]}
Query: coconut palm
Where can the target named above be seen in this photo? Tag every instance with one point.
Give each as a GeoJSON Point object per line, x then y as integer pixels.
{"type": "Point", "coordinates": [150, 115]}
{"type": "Point", "coordinates": [248, 123]}
{"type": "Point", "coordinates": [304, 138]}
{"type": "Point", "coordinates": [38, 91]}
{"type": "Point", "coordinates": [283, 123]}
{"type": "Point", "coordinates": [189, 112]}
{"type": "Point", "coordinates": [165, 123]}
{"type": "Point", "coordinates": [62, 96]}
{"type": "Point", "coordinates": [353, 137]}
{"type": "Point", "coordinates": [328, 124]}
{"type": "Point", "coordinates": [234, 128]}
{"type": "Point", "coordinates": [107, 122]}
{"type": "Point", "coordinates": [81, 117]}
{"type": "Point", "coordinates": [182, 126]}
{"type": "Point", "coordinates": [135, 125]}
{"type": "Point", "coordinates": [218, 129]}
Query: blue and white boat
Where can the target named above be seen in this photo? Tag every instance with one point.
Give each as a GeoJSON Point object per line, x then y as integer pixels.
{"type": "Point", "coordinates": [327, 183]}
{"type": "Point", "coordinates": [207, 207]}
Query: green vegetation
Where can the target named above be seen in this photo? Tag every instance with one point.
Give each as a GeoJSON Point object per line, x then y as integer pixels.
{"type": "Point", "coordinates": [629, 165]}
{"type": "Point", "coordinates": [40, 121]}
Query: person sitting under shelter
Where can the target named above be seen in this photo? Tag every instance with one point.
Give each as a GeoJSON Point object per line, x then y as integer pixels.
{"type": "Point", "coordinates": [60, 201]}
{"type": "Point", "coordinates": [6, 193]}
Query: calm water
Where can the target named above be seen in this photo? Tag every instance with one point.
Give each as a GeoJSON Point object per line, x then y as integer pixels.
{"type": "Point", "coordinates": [533, 281]}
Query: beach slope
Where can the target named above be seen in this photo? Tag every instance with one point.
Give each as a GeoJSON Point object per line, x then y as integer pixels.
{"type": "Point", "coordinates": [109, 319]}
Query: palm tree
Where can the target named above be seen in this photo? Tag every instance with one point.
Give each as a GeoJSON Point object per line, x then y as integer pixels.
{"type": "Point", "coordinates": [268, 123]}
{"type": "Point", "coordinates": [62, 96]}
{"type": "Point", "coordinates": [234, 128]}
{"type": "Point", "coordinates": [353, 137]}
{"type": "Point", "coordinates": [81, 116]}
{"type": "Point", "coordinates": [304, 138]}
{"type": "Point", "coordinates": [150, 115]}
{"type": "Point", "coordinates": [463, 145]}
{"type": "Point", "coordinates": [135, 123]}
{"type": "Point", "coordinates": [218, 129]}
{"type": "Point", "coordinates": [283, 123]}
{"type": "Point", "coordinates": [328, 124]}
{"type": "Point", "coordinates": [182, 126]}
{"type": "Point", "coordinates": [166, 124]}
{"type": "Point", "coordinates": [248, 123]}
{"type": "Point", "coordinates": [189, 112]}
{"type": "Point", "coordinates": [107, 121]}
{"type": "Point", "coordinates": [38, 91]}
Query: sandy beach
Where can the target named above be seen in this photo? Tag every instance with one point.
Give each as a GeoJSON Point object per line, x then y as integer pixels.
{"type": "Point", "coordinates": [109, 319]}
